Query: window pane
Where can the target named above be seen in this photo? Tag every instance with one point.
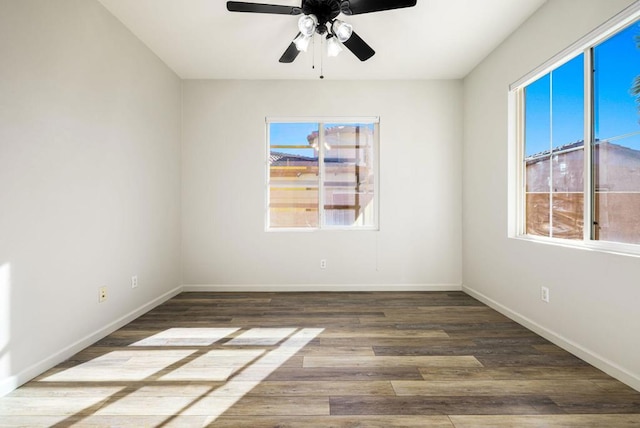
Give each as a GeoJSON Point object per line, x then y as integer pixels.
{"type": "Point", "coordinates": [293, 175]}
{"type": "Point", "coordinates": [617, 191]}
{"type": "Point", "coordinates": [616, 153]}
{"type": "Point", "coordinates": [617, 65]}
{"type": "Point", "coordinates": [568, 192]}
{"type": "Point", "coordinates": [537, 153]}
{"type": "Point", "coordinates": [349, 180]}
{"type": "Point", "coordinates": [538, 116]}
{"type": "Point", "coordinates": [568, 215]}
{"type": "Point", "coordinates": [567, 135]}
{"type": "Point", "coordinates": [554, 152]}
{"type": "Point", "coordinates": [538, 214]}
{"type": "Point", "coordinates": [567, 93]}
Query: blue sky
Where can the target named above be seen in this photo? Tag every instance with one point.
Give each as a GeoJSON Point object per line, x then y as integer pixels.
{"type": "Point", "coordinates": [292, 134]}
{"type": "Point", "coordinates": [617, 63]}
{"type": "Point", "coordinates": [295, 134]}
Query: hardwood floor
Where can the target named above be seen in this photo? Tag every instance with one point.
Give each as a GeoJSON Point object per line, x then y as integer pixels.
{"type": "Point", "coordinates": [438, 359]}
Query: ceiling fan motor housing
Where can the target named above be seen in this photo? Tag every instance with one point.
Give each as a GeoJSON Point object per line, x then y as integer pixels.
{"type": "Point", "coordinates": [324, 10]}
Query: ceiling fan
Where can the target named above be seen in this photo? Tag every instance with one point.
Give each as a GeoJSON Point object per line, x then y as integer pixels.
{"type": "Point", "coordinates": [319, 16]}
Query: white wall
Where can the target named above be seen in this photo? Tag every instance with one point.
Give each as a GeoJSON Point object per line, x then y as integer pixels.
{"type": "Point", "coordinates": [594, 296]}
{"type": "Point", "coordinates": [224, 243]}
{"type": "Point", "coordinates": [89, 179]}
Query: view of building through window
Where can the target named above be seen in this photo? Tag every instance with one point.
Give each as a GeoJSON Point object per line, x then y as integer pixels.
{"type": "Point", "coordinates": [616, 157]}
{"type": "Point", "coordinates": [322, 175]}
{"type": "Point", "coordinates": [554, 145]}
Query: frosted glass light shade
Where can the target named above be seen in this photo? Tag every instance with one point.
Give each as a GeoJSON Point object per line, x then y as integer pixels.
{"type": "Point", "coordinates": [341, 30]}
{"type": "Point", "coordinates": [307, 24]}
{"type": "Point", "coordinates": [302, 42]}
{"type": "Point", "coordinates": [333, 46]}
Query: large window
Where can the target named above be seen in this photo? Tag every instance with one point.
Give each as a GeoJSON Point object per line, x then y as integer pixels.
{"type": "Point", "coordinates": [322, 174]}
{"type": "Point", "coordinates": [570, 189]}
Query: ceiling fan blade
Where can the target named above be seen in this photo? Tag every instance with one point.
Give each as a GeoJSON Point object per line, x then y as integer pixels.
{"type": "Point", "coordinates": [356, 7]}
{"type": "Point", "coordinates": [290, 54]}
{"type": "Point", "coordinates": [239, 6]}
{"type": "Point", "coordinates": [359, 47]}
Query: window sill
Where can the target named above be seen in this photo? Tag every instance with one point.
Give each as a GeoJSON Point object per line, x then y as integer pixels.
{"type": "Point", "coordinates": [599, 246]}
{"type": "Point", "coordinates": [324, 229]}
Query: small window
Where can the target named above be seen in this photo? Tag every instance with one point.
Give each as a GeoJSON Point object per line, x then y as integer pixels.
{"type": "Point", "coordinates": [322, 174]}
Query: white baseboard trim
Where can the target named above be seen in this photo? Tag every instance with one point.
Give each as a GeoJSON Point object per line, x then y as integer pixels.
{"type": "Point", "coordinates": [251, 288]}
{"type": "Point", "coordinates": [11, 383]}
{"type": "Point", "coordinates": [596, 360]}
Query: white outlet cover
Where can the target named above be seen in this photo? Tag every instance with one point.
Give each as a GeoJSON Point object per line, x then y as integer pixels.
{"type": "Point", "coordinates": [544, 294]}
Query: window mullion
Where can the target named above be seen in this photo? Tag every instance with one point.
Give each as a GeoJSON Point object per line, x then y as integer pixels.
{"type": "Point", "coordinates": [321, 175]}
{"type": "Point", "coordinates": [522, 165]}
{"type": "Point", "coordinates": [588, 145]}
{"type": "Point", "coordinates": [551, 154]}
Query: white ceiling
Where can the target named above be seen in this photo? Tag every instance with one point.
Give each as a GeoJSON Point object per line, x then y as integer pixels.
{"type": "Point", "coordinates": [436, 39]}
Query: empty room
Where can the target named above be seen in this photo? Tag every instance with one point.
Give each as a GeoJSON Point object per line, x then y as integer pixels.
{"type": "Point", "coordinates": [320, 213]}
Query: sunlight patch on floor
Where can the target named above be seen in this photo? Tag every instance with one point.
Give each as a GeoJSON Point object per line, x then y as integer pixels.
{"type": "Point", "coordinates": [216, 365]}
{"type": "Point", "coordinates": [186, 337]}
{"type": "Point", "coordinates": [134, 365]}
{"type": "Point", "coordinates": [261, 337]}
{"type": "Point", "coordinates": [177, 373]}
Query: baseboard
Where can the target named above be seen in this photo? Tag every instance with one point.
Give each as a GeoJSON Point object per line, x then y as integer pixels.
{"type": "Point", "coordinates": [9, 384]}
{"type": "Point", "coordinates": [319, 287]}
{"type": "Point", "coordinates": [596, 360]}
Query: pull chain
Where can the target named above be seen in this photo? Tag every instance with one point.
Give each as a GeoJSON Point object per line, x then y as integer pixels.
{"type": "Point", "coordinates": [313, 53]}
{"type": "Point", "coordinates": [321, 59]}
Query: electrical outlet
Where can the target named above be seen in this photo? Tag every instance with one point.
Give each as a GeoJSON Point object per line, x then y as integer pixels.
{"type": "Point", "coordinates": [134, 281]}
{"type": "Point", "coordinates": [544, 294]}
{"type": "Point", "coordinates": [102, 294]}
{"type": "Point", "coordinates": [323, 263]}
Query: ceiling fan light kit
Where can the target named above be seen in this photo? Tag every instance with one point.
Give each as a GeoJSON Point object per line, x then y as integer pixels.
{"type": "Point", "coordinates": [320, 16]}
{"type": "Point", "coordinates": [301, 42]}
{"type": "Point", "coordinates": [333, 46]}
{"type": "Point", "coordinates": [307, 24]}
{"type": "Point", "coordinates": [341, 30]}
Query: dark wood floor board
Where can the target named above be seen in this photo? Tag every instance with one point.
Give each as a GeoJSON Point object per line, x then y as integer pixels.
{"type": "Point", "coordinates": [414, 318]}
{"type": "Point", "coordinates": [551, 388]}
{"type": "Point", "coordinates": [547, 421]}
{"type": "Point", "coordinates": [509, 360]}
{"type": "Point", "coordinates": [444, 405]}
{"type": "Point", "coordinates": [380, 341]}
{"type": "Point", "coordinates": [373, 359]}
{"type": "Point", "coordinates": [455, 350]}
{"type": "Point", "coordinates": [303, 321]}
{"type": "Point", "coordinates": [514, 373]}
{"type": "Point", "coordinates": [584, 402]}
{"type": "Point", "coordinates": [346, 374]}
{"type": "Point", "coordinates": [380, 332]}
{"type": "Point", "coordinates": [393, 421]}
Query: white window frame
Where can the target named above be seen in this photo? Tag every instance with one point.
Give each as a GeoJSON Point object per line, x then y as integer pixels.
{"type": "Point", "coordinates": [516, 172]}
{"type": "Point", "coordinates": [321, 121]}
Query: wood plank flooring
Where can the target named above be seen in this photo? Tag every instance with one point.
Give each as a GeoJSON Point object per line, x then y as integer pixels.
{"type": "Point", "coordinates": [438, 359]}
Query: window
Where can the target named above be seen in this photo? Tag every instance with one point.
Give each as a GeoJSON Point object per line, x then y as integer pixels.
{"type": "Point", "coordinates": [322, 174]}
{"type": "Point", "coordinates": [569, 189]}
{"type": "Point", "coordinates": [554, 126]}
